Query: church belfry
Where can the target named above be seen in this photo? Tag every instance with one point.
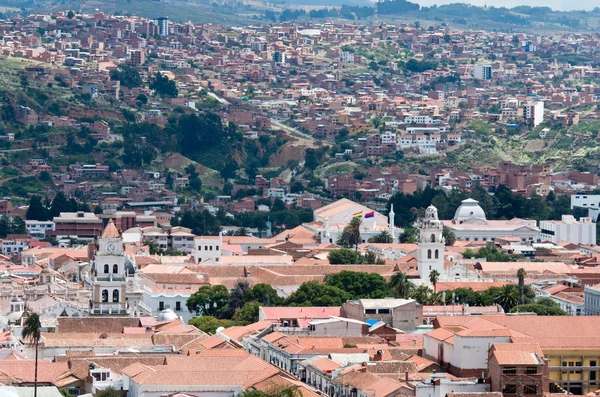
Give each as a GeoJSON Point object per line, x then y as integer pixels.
{"type": "Point", "coordinates": [109, 278]}
{"type": "Point", "coordinates": [430, 255]}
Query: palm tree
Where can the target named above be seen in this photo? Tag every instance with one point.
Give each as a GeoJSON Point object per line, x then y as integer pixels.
{"type": "Point", "coordinates": [401, 285]}
{"type": "Point", "coordinates": [382, 238]}
{"type": "Point", "coordinates": [421, 294]}
{"type": "Point", "coordinates": [507, 297]}
{"type": "Point", "coordinates": [434, 276]}
{"type": "Point", "coordinates": [33, 332]}
{"type": "Point", "coordinates": [242, 231]}
{"type": "Point", "coordinates": [521, 273]}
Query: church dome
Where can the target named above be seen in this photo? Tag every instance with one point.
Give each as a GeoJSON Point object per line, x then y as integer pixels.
{"type": "Point", "coordinates": [469, 209]}
{"type": "Point", "coordinates": [431, 213]}
{"type": "Point", "coordinates": [167, 315]}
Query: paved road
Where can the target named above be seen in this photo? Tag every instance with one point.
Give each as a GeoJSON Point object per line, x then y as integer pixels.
{"type": "Point", "coordinates": [292, 130]}
{"type": "Point", "coordinates": [29, 148]}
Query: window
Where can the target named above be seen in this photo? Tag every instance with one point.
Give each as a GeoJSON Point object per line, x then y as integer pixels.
{"type": "Point", "coordinates": [437, 254]}
{"type": "Point", "coordinates": [578, 364]}
{"type": "Point", "coordinates": [104, 295]}
{"type": "Point", "coordinates": [210, 248]}
{"type": "Point", "coordinates": [161, 305]}
{"type": "Point", "coordinates": [428, 254]}
{"type": "Point", "coordinates": [106, 271]}
{"type": "Point", "coordinates": [509, 389]}
{"type": "Point", "coordinates": [73, 391]}
{"type": "Point", "coordinates": [529, 389]}
{"type": "Point", "coordinates": [370, 311]}
{"type": "Point", "coordinates": [115, 269]}
{"type": "Point", "coordinates": [531, 370]}
{"type": "Point", "coordinates": [509, 370]}
{"type": "Point", "coordinates": [199, 248]}
{"type": "Point", "coordinates": [433, 238]}
{"type": "Point", "coordinates": [384, 311]}
{"type": "Point", "coordinates": [115, 295]}
{"type": "Point", "coordinates": [593, 372]}
{"type": "Point", "coordinates": [177, 306]}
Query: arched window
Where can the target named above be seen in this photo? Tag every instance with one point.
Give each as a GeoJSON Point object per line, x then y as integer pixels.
{"type": "Point", "coordinates": [115, 268]}
{"type": "Point", "coordinates": [104, 295]}
{"type": "Point", "coordinates": [115, 295]}
{"type": "Point", "coordinates": [437, 254]}
{"type": "Point", "coordinates": [428, 254]}
{"type": "Point", "coordinates": [106, 271]}
{"type": "Point", "coordinates": [432, 238]}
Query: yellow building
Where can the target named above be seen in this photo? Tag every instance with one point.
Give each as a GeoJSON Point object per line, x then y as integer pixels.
{"type": "Point", "coordinates": [571, 344]}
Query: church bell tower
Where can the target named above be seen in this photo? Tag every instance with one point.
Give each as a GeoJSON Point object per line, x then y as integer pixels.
{"type": "Point", "coordinates": [430, 255]}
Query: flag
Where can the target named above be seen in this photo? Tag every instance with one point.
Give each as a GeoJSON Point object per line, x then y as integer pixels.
{"type": "Point", "coordinates": [370, 214]}
{"type": "Point", "coordinates": [357, 215]}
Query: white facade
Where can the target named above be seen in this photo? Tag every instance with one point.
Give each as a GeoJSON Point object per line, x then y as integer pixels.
{"type": "Point", "coordinates": [430, 255]}
{"type": "Point", "coordinates": [38, 229]}
{"type": "Point", "coordinates": [534, 111]}
{"type": "Point", "coordinates": [439, 386]}
{"type": "Point", "coordinates": [591, 300]}
{"type": "Point", "coordinates": [156, 301]}
{"type": "Point", "coordinates": [207, 249]}
{"type": "Point", "coordinates": [570, 230]}
{"type": "Point", "coordinates": [347, 57]}
{"type": "Point", "coordinates": [482, 72]}
{"type": "Point", "coordinates": [109, 274]}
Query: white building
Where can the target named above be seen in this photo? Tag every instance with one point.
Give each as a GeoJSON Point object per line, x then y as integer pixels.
{"type": "Point", "coordinates": [12, 246]}
{"type": "Point", "coordinates": [534, 111]}
{"type": "Point", "coordinates": [38, 229]}
{"type": "Point", "coordinates": [439, 386]}
{"type": "Point", "coordinates": [207, 249]}
{"type": "Point", "coordinates": [568, 229]}
{"type": "Point", "coordinates": [430, 255]}
{"type": "Point", "coordinates": [347, 57]}
{"type": "Point", "coordinates": [591, 300]}
{"type": "Point", "coordinates": [109, 279]}
{"type": "Point", "coordinates": [470, 224]}
{"type": "Point", "coordinates": [482, 72]}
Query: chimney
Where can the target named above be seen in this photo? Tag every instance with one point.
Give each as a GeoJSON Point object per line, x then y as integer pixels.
{"type": "Point", "coordinates": [378, 356]}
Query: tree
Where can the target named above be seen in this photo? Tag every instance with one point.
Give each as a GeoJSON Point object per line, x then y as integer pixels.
{"type": "Point", "coordinates": [507, 296]}
{"type": "Point", "coordinates": [209, 301]}
{"type": "Point", "coordinates": [540, 310]}
{"type": "Point", "coordinates": [409, 235]}
{"type": "Point", "coordinates": [434, 276]}
{"type": "Point", "coordinates": [70, 14]}
{"type": "Point", "coordinates": [247, 313]}
{"type": "Point", "coordinates": [350, 236]}
{"type": "Point", "coordinates": [313, 293]}
{"type": "Point", "coordinates": [359, 284]}
{"type": "Point", "coordinates": [33, 332]}
{"type": "Point", "coordinates": [210, 324]}
{"type": "Point", "coordinates": [109, 392]}
{"type": "Point", "coordinates": [382, 238]}
{"type": "Point", "coordinates": [449, 236]}
{"type": "Point", "coordinates": [265, 294]}
{"type": "Point", "coordinates": [128, 76]}
{"type": "Point", "coordinates": [37, 211]}
{"type": "Point", "coordinates": [293, 391]}
{"type": "Point", "coordinates": [343, 256]}
{"type": "Point", "coordinates": [400, 285]}
{"type": "Point", "coordinates": [521, 273]}
{"type": "Point", "coordinates": [421, 294]}
{"type": "Point", "coordinates": [163, 86]}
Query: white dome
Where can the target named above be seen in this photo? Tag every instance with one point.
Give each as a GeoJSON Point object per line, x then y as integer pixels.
{"type": "Point", "coordinates": [469, 209]}
{"type": "Point", "coordinates": [167, 315]}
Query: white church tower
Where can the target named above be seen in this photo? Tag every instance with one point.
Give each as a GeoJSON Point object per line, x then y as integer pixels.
{"type": "Point", "coordinates": [430, 255]}
{"type": "Point", "coordinates": [109, 275]}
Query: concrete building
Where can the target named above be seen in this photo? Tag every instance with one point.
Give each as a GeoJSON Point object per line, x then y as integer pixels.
{"type": "Point", "coordinates": [482, 72]}
{"type": "Point", "coordinates": [591, 300]}
{"type": "Point", "coordinates": [402, 314]}
{"type": "Point", "coordinates": [163, 26]}
{"type": "Point", "coordinates": [38, 229]}
{"type": "Point", "coordinates": [207, 249]}
{"type": "Point", "coordinates": [534, 112]}
{"type": "Point", "coordinates": [570, 230]}
{"type": "Point", "coordinates": [470, 224]}
{"type": "Point", "coordinates": [80, 225]}
{"type": "Point", "coordinates": [518, 369]}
